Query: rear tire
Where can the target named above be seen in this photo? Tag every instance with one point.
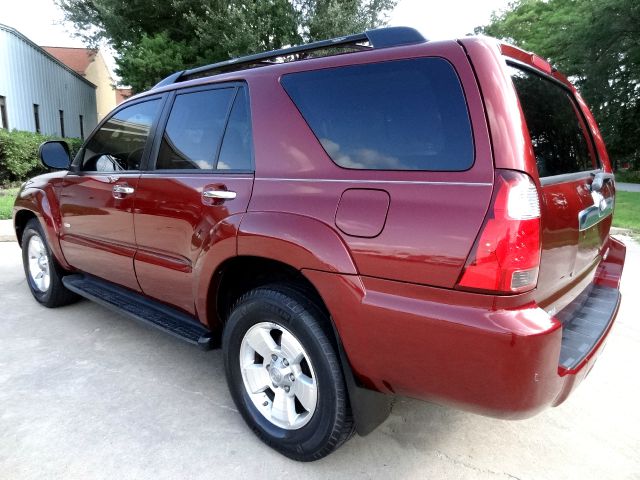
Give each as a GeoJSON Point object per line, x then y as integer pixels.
{"type": "Point", "coordinates": [44, 275]}
{"type": "Point", "coordinates": [284, 374]}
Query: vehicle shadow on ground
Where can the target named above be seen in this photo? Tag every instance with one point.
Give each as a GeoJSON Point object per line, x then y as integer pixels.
{"type": "Point", "coordinates": [412, 424]}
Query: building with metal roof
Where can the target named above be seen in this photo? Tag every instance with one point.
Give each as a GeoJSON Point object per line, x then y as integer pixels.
{"type": "Point", "coordinates": [91, 64]}
{"type": "Point", "coordinates": [39, 93]}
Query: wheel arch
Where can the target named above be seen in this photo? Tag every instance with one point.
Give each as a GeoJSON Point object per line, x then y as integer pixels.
{"type": "Point", "coordinates": [37, 203]}
{"type": "Point", "coordinates": [20, 219]}
{"type": "Point", "coordinates": [284, 243]}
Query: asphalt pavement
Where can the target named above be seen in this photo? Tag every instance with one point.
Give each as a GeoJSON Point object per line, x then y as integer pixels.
{"type": "Point", "coordinates": [88, 394]}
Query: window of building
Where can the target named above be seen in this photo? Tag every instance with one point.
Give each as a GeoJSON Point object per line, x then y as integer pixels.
{"type": "Point", "coordinates": [61, 123]}
{"type": "Point", "coordinates": [81, 127]}
{"type": "Point", "coordinates": [120, 142]}
{"type": "Point", "coordinates": [3, 114]}
{"type": "Point", "coordinates": [36, 116]}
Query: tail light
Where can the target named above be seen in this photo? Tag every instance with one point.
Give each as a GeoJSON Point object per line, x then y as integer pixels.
{"type": "Point", "coordinates": [506, 255]}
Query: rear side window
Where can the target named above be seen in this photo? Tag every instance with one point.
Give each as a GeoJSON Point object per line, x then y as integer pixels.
{"type": "Point", "coordinates": [558, 133]}
{"type": "Point", "coordinates": [236, 152]}
{"type": "Point", "coordinates": [194, 130]}
{"type": "Point", "coordinates": [398, 115]}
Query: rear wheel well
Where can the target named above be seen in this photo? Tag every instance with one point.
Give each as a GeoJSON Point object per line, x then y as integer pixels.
{"type": "Point", "coordinates": [20, 222]}
{"type": "Point", "coordinates": [237, 276]}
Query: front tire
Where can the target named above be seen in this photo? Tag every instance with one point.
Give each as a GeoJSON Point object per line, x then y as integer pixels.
{"type": "Point", "coordinates": [284, 374]}
{"type": "Point", "coordinates": [44, 275]}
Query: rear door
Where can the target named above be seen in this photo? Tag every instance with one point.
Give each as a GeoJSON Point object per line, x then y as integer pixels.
{"type": "Point", "coordinates": [576, 212]}
{"type": "Point", "coordinates": [201, 173]}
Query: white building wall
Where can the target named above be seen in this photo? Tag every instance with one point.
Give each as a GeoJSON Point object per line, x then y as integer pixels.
{"type": "Point", "coordinates": [28, 76]}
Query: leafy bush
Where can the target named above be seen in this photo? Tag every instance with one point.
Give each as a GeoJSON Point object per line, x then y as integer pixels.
{"type": "Point", "coordinates": [19, 154]}
{"type": "Point", "coordinates": [629, 176]}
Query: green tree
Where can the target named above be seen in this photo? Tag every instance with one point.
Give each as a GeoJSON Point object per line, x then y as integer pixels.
{"type": "Point", "coordinates": [154, 38]}
{"type": "Point", "coordinates": [595, 42]}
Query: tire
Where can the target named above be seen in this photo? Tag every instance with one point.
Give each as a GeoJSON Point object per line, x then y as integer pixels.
{"type": "Point", "coordinates": [279, 320]}
{"type": "Point", "coordinates": [44, 274]}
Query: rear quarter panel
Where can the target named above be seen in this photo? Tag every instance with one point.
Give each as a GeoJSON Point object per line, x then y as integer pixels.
{"type": "Point", "coordinates": [433, 217]}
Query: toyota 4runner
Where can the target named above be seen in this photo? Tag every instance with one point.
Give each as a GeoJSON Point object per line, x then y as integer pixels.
{"type": "Point", "coordinates": [352, 219]}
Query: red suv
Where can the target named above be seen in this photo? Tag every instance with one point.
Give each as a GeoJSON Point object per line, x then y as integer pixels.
{"type": "Point", "coordinates": [352, 219]}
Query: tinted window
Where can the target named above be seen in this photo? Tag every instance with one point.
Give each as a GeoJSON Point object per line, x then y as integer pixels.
{"type": "Point", "coordinates": [236, 147]}
{"type": "Point", "coordinates": [119, 143]}
{"type": "Point", "coordinates": [400, 115]}
{"type": "Point", "coordinates": [194, 130]}
{"type": "Point", "coordinates": [556, 127]}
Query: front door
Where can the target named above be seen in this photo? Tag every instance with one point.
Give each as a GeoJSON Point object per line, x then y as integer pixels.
{"type": "Point", "coordinates": [98, 194]}
{"type": "Point", "coordinates": [201, 174]}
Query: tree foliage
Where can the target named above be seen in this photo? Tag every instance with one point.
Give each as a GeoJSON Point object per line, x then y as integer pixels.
{"type": "Point", "coordinates": [595, 42]}
{"type": "Point", "coordinates": [154, 38]}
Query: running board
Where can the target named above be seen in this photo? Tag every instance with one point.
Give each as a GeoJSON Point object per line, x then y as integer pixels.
{"type": "Point", "coordinates": [141, 308]}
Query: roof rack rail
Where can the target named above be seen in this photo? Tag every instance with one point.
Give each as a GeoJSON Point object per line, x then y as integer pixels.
{"type": "Point", "coordinates": [378, 38]}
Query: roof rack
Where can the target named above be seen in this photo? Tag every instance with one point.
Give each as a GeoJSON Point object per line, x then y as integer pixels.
{"type": "Point", "coordinates": [378, 38]}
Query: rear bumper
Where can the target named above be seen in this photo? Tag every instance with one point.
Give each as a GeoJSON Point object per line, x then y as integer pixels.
{"type": "Point", "coordinates": [472, 351]}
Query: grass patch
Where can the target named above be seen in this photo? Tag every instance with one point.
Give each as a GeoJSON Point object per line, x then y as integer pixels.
{"type": "Point", "coordinates": [627, 212]}
{"type": "Point", "coordinates": [7, 197]}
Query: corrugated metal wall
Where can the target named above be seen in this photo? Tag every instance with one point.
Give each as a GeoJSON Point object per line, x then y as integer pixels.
{"type": "Point", "coordinates": [29, 76]}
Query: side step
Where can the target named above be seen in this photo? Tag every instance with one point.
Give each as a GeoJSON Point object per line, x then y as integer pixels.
{"type": "Point", "coordinates": [141, 308]}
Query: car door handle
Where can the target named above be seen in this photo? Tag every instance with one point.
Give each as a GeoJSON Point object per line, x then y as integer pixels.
{"type": "Point", "coordinates": [219, 194]}
{"type": "Point", "coordinates": [123, 189]}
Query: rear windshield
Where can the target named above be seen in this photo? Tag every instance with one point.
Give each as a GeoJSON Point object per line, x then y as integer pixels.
{"type": "Point", "coordinates": [398, 115]}
{"type": "Point", "coordinates": [557, 129]}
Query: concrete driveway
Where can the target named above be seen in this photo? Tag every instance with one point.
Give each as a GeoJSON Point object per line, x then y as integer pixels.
{"type": "Point", "coordinates": [628, 187]}
{"type": "Point", "coordinates": [88, 394]}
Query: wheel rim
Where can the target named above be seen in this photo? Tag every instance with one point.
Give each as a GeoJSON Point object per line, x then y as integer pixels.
{"type": "Point", "coordinates": [278, 376]}
{"type": "Point", "coordinates": [39, 269]}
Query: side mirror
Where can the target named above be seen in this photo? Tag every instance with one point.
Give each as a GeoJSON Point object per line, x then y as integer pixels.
{"type": "Point", "coordinates": [55, 154]}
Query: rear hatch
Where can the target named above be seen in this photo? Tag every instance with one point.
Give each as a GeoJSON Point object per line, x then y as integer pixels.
{"type": "Point", "coordinates": [577, 193]}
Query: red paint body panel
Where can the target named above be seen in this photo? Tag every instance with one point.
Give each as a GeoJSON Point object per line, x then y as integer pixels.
{"type": "Point", "coordinates": [97, 234]}
{"type": "Point", "coordinates": [224, 236]}
{"type": "Point", "coordinates": [455, 348]}
{"type": "Point", "coordinates": [174, 224]}
{"type": "Point", "coordinates": [301, 242]}
{"type": "Point", "coordinates": [39, 197]}
{"type": "Point", "coordinates": [413, 247]}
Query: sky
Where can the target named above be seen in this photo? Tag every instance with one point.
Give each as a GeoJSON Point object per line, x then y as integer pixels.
{"type": "Point", "coordinates": [42, 21]}
{"type": "Point", "coordinates": [442, 19]}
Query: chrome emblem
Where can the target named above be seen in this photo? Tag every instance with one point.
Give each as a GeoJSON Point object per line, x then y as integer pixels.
{"type": "Point", "coordinates": [276, 376]}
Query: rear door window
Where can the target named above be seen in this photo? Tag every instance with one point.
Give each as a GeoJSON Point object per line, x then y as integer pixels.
{"type": "Point", "coordinates": [557, 129]}
{"type": "Point", "coordinates": [207, 130]}
{"type": "Point", "coordinates": [194, 130]}
{"type": "Point", "coordinates": [397, 115]}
